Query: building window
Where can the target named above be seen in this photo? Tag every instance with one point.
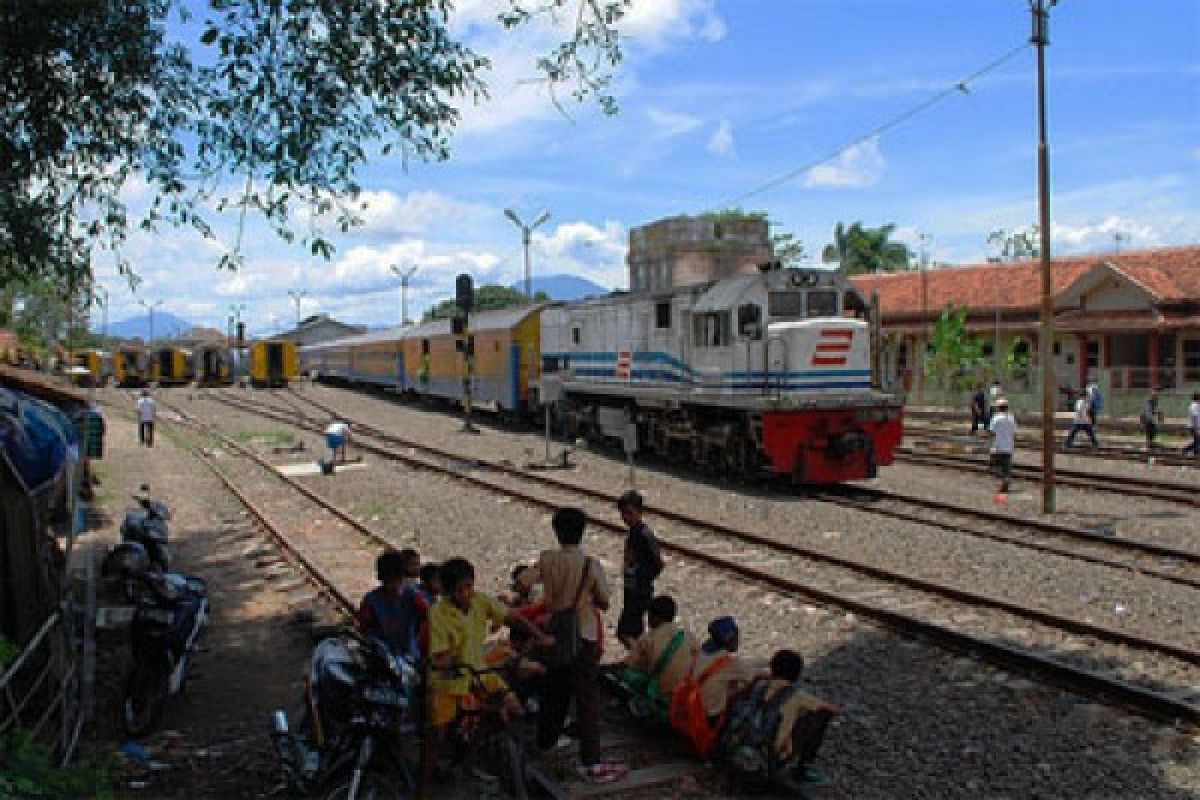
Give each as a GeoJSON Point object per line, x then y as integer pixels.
{"type": "Point", "coordinates": [1058, 348]}
{"type": "Point", "coordinates": [1093, 355]}
{"type": "Point", "coordinates": [662, 315]}
{"type": "Point", "coordinates": [575, 335]}
{"type": "Point", "coordinates": [1191, 360]}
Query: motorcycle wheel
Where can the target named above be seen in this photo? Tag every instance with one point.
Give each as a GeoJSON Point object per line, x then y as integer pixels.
{"type": "Point", "coordinates": [373, 786]}
{"type": "Point", "coordinates": [145, 697]}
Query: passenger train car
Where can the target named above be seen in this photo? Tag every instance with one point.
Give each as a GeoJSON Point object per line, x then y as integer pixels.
{"type": "Point", "coordinates": [99, 365]}
{"type": "Point", "coordinates": [171, 366]}
{"type": "Point", "coordinates": [131, 366]}
{"type": "Point", "coordinates": [215, 364]}
{"type": "Point", "coordinates": [274, 362]}
{"type": "Point", "coordinates": [756, 373]}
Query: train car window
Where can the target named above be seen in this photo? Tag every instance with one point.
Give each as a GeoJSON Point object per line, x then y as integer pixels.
{"type": "Point", "coordinates": [785, 305]}
{"type": "Point", "coordinates": [749, 321]}
{"type": "Point", "coordinates": [425, 347]}
{"type": "Point", "coordinates": [575, 335]}
{"type": "Point", "coordinates": [822, 303]}
{"type": "Point", "coordinates": [662, 315]}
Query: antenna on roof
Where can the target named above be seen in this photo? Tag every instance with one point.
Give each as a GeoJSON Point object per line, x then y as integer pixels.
{"type": "Point", "coordinates": [1119, 238]}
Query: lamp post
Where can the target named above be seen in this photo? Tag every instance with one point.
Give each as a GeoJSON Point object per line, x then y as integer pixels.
{"type": "Point", "coordinates": [151, 308]}
{"type": "Point", "coordinates": [405, 276]}
{"type": "Point", "coordinates": [237, 309]}
{"type": "Point", "coordinates": [526, 238]}
{"type": "Point", "coordinates": [1039, 38]}
{"type": "Point", "coordinates": [297, 298]}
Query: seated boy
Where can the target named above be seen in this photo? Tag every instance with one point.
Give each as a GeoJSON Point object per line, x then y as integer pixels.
{"type": "Point", "coordinates": [659, 660]}
{"type": "Point", "coordinates": [775, 728]}
{"type": "Point", "coordinates": [457, 628]}
{"type": "Point", "coordinates": [387, 612]}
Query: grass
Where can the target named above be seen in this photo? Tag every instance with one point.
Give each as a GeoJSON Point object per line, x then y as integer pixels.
{"type": "Point", "coordinates": [272, 438]}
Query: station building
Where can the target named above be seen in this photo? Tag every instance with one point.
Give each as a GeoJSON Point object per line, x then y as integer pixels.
{"type": "Point", "coordinates": [320, 328]}
{"type": "Point", "coordinates": [1129, 321]}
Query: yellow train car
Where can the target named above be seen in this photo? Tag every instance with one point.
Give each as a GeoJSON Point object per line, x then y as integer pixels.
{"type": "Point", "coordinates": [213, 365]}
{"type": "Point", "coordinates": [131, 366]}
{"type": "Point", "coordinates": [375, 358]}
{"type": "Point", "coordinates": [274, 362]}
{"type": "Point", "coordinates": [506, 345]}
{"type": "Point", "coordinates": [99, 365]}
{"type": "Point", "coordinates": [171, 366]}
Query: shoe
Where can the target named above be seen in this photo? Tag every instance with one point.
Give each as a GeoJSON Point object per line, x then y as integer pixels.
{"type": "Point", "coordinates": [603, 772]}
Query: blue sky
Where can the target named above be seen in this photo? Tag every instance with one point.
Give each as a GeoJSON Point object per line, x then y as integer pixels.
{"type": "Point", "coordinates": [719, 98]}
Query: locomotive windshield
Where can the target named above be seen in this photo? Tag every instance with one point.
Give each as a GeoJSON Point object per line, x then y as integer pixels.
{"type": "Point", "coordinates": [799, 305]}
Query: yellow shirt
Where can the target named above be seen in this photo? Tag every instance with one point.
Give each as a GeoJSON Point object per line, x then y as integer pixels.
{"type": "Point", "coordinates": [650, 647]}
{"type": "Point", "coordinates": [461, 635]}
{"type": "Point", "coordinates": [793, 708]}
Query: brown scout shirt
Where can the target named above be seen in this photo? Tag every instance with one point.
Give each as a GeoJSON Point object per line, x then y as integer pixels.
{"type": "Point", "coordinates": [651, 645]}
{"type": "Point", "coordinates": [558, 571]}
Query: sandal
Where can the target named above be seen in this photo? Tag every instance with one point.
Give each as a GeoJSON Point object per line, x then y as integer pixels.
{"type": "Point", "coordinates": [603, 772]}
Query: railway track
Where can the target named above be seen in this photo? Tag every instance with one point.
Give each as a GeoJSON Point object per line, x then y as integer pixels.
{"type": "Point", "coordinates": [1131, 485]}
{"type": "Point", "coordinates": [1066, 651]}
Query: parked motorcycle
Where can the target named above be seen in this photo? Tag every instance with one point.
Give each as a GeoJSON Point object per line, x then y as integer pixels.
{"type": "Point", "coordinates": [349, 744]}
{"type": "Point", "coordinates": [147, 525]}
{"type": "Point", "coordinates": [171, 611]}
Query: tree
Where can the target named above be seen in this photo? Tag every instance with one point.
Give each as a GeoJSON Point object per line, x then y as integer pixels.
{"type": "Point", "coordinates": [491, 297]}
{"type": "Point", "coordinates": [866, 250]}
{"type": "Point", "coordinates": [1016, 245]}
{"type": "Point", "coordinates": [955, 357]}
{"type": "Point", "coordinates": [788, 250]}
{"type": "Point", "coordinates": [271, 109]}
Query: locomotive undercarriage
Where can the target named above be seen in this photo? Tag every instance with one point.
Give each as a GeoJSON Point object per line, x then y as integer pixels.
{"type": "Point", "coordinates": [723, 442]}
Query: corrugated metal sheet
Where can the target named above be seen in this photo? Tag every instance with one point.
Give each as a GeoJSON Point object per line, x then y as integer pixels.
{"type": "Point", "coordinates": [725, 294]}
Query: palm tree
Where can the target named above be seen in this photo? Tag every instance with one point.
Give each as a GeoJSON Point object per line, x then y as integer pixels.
{"type": "Point", "coordinates": [860, 249]}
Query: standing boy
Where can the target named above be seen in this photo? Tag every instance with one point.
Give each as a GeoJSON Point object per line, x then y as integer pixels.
{"type": "Point", "coordinates": [145, 410]}
{"type": "Point", "coordinates": [1004, 428]}
{"type": "Point", "coordinates": [642, 564]}
{"type": "Point", "coordinates": [979, 410]}
{"type": "Point", "coordinates": [1194, 425]}
{"type": "Point", "coordinates": [1150, 418]}
{"type": "Point", "coordinates": [1084, 421]}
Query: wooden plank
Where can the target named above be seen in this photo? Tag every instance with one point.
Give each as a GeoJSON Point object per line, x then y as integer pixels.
{"type": "Point", "coordinates": [637, 779]}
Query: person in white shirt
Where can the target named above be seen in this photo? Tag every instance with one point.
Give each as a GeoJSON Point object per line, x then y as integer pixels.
{"type": "Point", "coordinates": [1194, 425]}
{"type": "Point", "coordinates": [1083, 421]}
{"type": "Point", "coordinates": [146, 409]}
{"type": "Point", "coordinates": [1004, 428]}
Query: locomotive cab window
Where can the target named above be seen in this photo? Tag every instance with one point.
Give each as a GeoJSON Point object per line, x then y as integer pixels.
{"type": "Point", "coordinates": [822, 303]}
{"type": "Point", "coordinates": [785, 305]}
{"type": "Point", "coordinates": [853, 305]}
{"type": "Point", "coordinates": [712, 330]}
{"type": "Point", "coordinates": [749, 321]}
{"type": "Point", "coordinates": [662, 315]}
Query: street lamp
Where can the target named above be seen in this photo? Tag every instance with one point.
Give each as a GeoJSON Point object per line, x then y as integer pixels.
{"type": "Point", "coordinates": [405, 277]}
{"type": "Point", "coordinates": [297, 298]}
{"type": "Point", "coordinates": [151, 308]}
{"type": "Point", "coordinates": [526, 237]}
{"type": "Point", "coordinates": [1039, 38]}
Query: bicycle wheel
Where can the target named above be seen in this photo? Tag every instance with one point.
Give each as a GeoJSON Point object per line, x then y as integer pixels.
{"type": "Point", "coordinates": [145, 696]}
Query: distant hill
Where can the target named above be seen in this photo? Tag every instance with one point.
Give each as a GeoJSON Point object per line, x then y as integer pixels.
{"type": "Point", "coordinates": [563, 287]}
{"type": "Point", "coordinates": [165, 324]}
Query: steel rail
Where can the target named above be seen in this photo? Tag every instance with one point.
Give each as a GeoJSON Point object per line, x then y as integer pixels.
{"type": "Point", "coordinates": [1151, 702]}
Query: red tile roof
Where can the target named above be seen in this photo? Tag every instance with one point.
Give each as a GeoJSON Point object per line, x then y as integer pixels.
{"type": "Point", "coordinates": [1170, 274]}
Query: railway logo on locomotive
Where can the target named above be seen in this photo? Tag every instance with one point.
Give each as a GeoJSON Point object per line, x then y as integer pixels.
{"type": "Point", "coordinates": [624, 364]}
{"type": "Point", "coordinates": [833, 345]}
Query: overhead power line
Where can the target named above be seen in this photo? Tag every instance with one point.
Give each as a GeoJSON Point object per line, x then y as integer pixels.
{"type": "Point", "coordinates": [957, 87]}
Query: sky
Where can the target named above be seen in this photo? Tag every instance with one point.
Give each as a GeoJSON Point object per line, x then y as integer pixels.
{"type": "Point", "coordinates": [813, 111]}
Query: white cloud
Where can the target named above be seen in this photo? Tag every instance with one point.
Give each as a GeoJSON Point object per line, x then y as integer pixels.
{"type": "Point", "coordinates": [579, 248]}
{"type": "Point", "coordinates": [857, 166]}
{"type": "Point", "coordinates": [653, 23]}
{"type": "Point", "coordinates": [669, 124]}
{"type": "Point", "coordinates": [1103, 235]}
{"type": "Point", "coordinates": [721, 142]}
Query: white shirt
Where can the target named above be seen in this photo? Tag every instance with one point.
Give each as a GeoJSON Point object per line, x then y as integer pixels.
{"type": "Point", "coordinates": [1194, 415]}
{"type": "Point", "coordinates": [146, 409]}
{"type": "Point", "coordinates": [338, 429]}
{"type": "Point", "coordinates": [1083, 414]}
{"type": "Point", "coordinates": [1004, 426]}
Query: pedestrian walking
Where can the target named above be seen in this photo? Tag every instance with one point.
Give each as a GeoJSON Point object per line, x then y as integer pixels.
{"type": "Point", "coordinates": [1083, 421]}
{"type": "Point", "coordinates": [642, 564]}
{"type": "Point", "coordinates": [146, 410]}
{"type": "Point", "coordinates": [979, 410]}
{"type": "Point", "coordinates": [1150, 419]}
{"type": "Point", "coordinates": [1003, 428]}
{"type": "Point", "coordinates": [573, 581]}
{"type": "Point", "coordinates": [1194, 425]}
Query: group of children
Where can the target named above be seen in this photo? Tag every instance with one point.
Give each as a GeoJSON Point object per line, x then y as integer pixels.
{"type": "Point", "coordinates": [720, 703]}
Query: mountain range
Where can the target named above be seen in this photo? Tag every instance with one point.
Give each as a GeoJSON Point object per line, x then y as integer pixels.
{"type": "Point", "coordinates": [165, 324]}
{"type": "Point", "coordinates": [563, 287]}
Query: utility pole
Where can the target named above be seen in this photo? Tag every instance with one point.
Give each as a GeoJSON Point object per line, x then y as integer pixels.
{"type": "Point", "coordinates": [526, 239]}
{"type": "Point", "coordinates": [150, 307]}
{"type": "Point", "coordinates": [102, 292]}
{"type": "Point", "coordinates": [405, 277]}
{"type": "Point", "coordinates": [1041, 20]}
{"type": "Point", "coordinates": [297, 298]}
{"type": "Point", "coordinates": [237, 309]}
{"type": "Point", "coordinates": [925, 238]}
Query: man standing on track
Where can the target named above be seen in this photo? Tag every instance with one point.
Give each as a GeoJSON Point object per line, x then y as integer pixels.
{"type": "Point", "coordinates": [1150, 418]}
{"type": "Point", "coordinates": [643, 563]}
{"type": "Point", "coordinates": [146, 409]}
{"type": "Point", "coordinates": [1194, 425]}
{"type": "Point", "coordinates": [1004, 428]}
{"type": "Point", "coordinates": [1083, 421]}
{"type": "Point", "coordinates": [979, 410]}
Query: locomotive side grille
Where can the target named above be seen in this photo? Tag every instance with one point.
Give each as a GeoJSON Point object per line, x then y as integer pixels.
{"type": "Point", "coordinates": [833, 344]}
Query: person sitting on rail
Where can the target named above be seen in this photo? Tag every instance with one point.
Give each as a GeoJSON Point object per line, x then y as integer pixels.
{"type": "Point", "coordinates": [658, 662]}
{"type": "Point", "coordinates": [457, 628]}
{"type": "Point", "coordinates": [775, 728]}
{"type": "Point", "coordinates": [700, 701]}
{"type": "Point", "coordinates": [388, 612]}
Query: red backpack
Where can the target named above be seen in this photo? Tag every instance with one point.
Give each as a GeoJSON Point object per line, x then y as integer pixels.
{"type": "Point", "coordinates": [687, 713]}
